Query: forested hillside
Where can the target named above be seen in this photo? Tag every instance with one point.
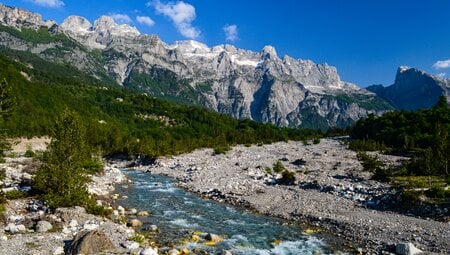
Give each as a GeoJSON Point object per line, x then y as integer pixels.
{"type": "Point", "coordinates": [119, 120]}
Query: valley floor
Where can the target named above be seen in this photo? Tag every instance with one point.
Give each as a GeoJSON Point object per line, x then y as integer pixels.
{"type": "Point", "coordinates": [331, 192]}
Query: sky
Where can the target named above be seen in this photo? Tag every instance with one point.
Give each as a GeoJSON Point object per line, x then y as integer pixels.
{"type": "Point", "coordinates": [366, 40]}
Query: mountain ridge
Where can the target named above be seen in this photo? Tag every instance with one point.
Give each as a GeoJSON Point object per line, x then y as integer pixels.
{"type": "Point", "coordinates": [413, 89]}
{"type": "Point", "coordinates": [241, 83]}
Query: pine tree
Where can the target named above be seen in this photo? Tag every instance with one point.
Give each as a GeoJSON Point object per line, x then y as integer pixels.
{"type": "Point", "coordinates": [7, 103]}
{"type": "Point", "coordinates": [62, 179]}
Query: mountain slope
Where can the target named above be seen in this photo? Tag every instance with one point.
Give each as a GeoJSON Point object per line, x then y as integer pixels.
{"type": "Point", "coordinates": [256, 85]}
{"type": "Point", "coordinates": [413, 89]}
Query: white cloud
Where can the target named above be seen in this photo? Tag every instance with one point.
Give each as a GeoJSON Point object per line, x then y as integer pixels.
{"type": "Point", "coordinates": [442, 64]}
{"type": "Point", "coordinates": [442, 75]}
{"type": "Point", "coordinates": [231, 32]}
{"type": "Point", "coordinates": [145, 20]}
{"type": "Point", "coordinates": [121, 18]}
{"type": "Point", "coordinates": [49, 3]}
{"type": "Point", "coordinates": [181, 14]}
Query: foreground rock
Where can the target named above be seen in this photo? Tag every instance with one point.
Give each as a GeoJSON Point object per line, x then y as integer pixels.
{"type": "Point", "coordinates": [331, 191]}
{"type": "Point", "coordinates": [90, 242]}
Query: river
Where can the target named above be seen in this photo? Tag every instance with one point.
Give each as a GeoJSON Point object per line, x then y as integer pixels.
{"type": "Point", "coordinates": [178, 214]}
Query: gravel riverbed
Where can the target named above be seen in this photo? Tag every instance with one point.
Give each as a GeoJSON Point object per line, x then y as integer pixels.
{"type": "Point", "coordinates": [331, 192]}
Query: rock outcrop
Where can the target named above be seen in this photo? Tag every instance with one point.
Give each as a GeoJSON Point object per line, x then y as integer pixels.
{"type": "Point", "coordinates": [413, 89]}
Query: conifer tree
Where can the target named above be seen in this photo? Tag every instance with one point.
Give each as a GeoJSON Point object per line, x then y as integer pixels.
{"type": "Point", "coordinates": [62, 179]}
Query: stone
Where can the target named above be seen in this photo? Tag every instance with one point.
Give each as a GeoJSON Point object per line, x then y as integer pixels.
{"type": "Point", "coordinates": [132, 211]}
{"type": "Point", "coordinates": [90, 242]}
{"type": "Point", "coordinates": [225, 252]}
{"type": "Point", "coordinates": [90, 226]}
{"type": "Point", "coordinates": [149, 251]}
{"type": "Point", "coordinates": [174, 252]}
{"type": "Point", "coordinates": [43, 226]}
{"type": "Point", "coordinates": [143, 214]}
{"type": "Point", "coordinates": [73, 223]}
{"type": "Point", "coordinates": [134, 223]}
{"type": "Point", "coordinates": [129, 245]}
{"type": "Point", "coordinates": [58, 251]}
{"type": "Point", "coordinates": [406, 249]}
{"type": "Point", "coordinates": [3, 238]}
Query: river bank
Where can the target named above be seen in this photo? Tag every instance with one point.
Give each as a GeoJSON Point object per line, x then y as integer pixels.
{"type": "Point", "coordinates": [27, 226]}
{"type": "Point", "coordinates": [331, 192]}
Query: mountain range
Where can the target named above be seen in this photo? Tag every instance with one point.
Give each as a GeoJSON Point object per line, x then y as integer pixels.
{"type": "Point", "coordinates": [261, 86]}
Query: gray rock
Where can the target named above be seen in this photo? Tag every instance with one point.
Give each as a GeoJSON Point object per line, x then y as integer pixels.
{"type": "Point", "coordinates": [406, 249]}
{"type": "Point", "coordinates": [43, 226]}
{"type": "Point", "coordinates": [90, 242]}
{"type": "Point", "coordinates": [129, 245]}
{"type": "Point", "coordinates": [149, 251]}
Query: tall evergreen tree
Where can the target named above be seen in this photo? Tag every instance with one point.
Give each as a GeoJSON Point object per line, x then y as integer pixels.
{"type": "Point", "coordinates": [62, 179]}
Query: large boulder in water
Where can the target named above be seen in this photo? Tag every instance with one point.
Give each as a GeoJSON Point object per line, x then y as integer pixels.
{"type": "Point", "coordinates": [90, 242]}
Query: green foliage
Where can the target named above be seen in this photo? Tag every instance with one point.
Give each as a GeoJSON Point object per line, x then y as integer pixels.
{"type": "Point", "coordinates": [15, 194]}
{"type": "Point", "coordinates": [366, 101]}
{"type": "Point", "coordinates": [99, 210]}
{"type": "Point", "coordinates": [316, 140]}
{"type": "Point", "coordinates": [62, 179]}
{"type": "Point", "coordinates": [287, 177]}
{"type": "Point", "coordinates": [278, 167]}
{"type": "Point", "coordinates": [423, 134]}
{"type": "Point", "coordinates": [366, 145]}
{"type": "Point", "coordinates": [221, 149]}
{"type": "Point", "coordinates": [374, 165]}
{"type": "Point", "coordinates": [29, 153]}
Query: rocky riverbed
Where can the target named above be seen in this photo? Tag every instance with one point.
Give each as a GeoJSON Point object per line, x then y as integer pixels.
{"type": "Point", "coordinates": [331, 191]}
{"type": "Point", "coordinates": [29, 227]}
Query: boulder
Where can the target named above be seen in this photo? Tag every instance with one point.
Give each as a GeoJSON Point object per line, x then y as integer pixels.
{"type": "Point", "coordinates": [406, 249]}
{"type": "Point", "coordinates": [90, 242]}
{"type": "Point", "coordinates": [143, 214]}
{"type": "Point", "coordinates": [43, 226]}
{"type": "Point", "coordinates": [15, 229]}
{"type": "Point", "coordinates": [149, 251]}
{"type": "Point", "coordinates": [213, 237]}
{"type": "Point", "coordinates": [135, 223]}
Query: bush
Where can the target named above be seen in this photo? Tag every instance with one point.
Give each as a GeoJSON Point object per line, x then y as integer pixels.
{"type": "Point", "coordinates": [288, 177]}
{"type": "Point", "coordinates": [437, 192]}
{"type": "Point", "coordinates": [99, 210]}
{"type": "Point", "coordinates": [15, 194]}
{"type": "Point", "coordinates": [221, 149]}
{"type": "Point", "coordinates": [316, 141]}
{"type": "Point", "coordinates": [278, 167]}
{"type": "Point", "coordinates": [29, 153]}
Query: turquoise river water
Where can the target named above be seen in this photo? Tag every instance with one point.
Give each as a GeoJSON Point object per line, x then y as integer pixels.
{"type": "Point", "coordinates": [178, 213]}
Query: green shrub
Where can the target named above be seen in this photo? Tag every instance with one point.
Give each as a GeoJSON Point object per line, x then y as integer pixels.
{"type": "Point", "coordinates": [29, 153]}
{"type": "Point", "coordinates": [99, 210]}
{"type": "Point", "coordinates": [288, 177]}
{"type": "Point", "coordinates": [221, 149]}
{"type": "Point", "coordinates": [278, 167]}
{"type": "Point", "coordinates": [437, 192]}
{"type": "Point", "coordinates": [316, 140]}
{"type": "Point", "coordinates": [15, 194]}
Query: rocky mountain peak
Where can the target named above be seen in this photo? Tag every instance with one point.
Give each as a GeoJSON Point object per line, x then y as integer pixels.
{"type": "Point", "coordinates": [19, 18]}
{"type": "Point", "coordinates": [269, 52]}
{"type": "Point", "coordinates": [77, 25]}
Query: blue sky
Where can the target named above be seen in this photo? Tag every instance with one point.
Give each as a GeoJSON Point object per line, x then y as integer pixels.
{"type": "Point", "coordinates": [365, 39]}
